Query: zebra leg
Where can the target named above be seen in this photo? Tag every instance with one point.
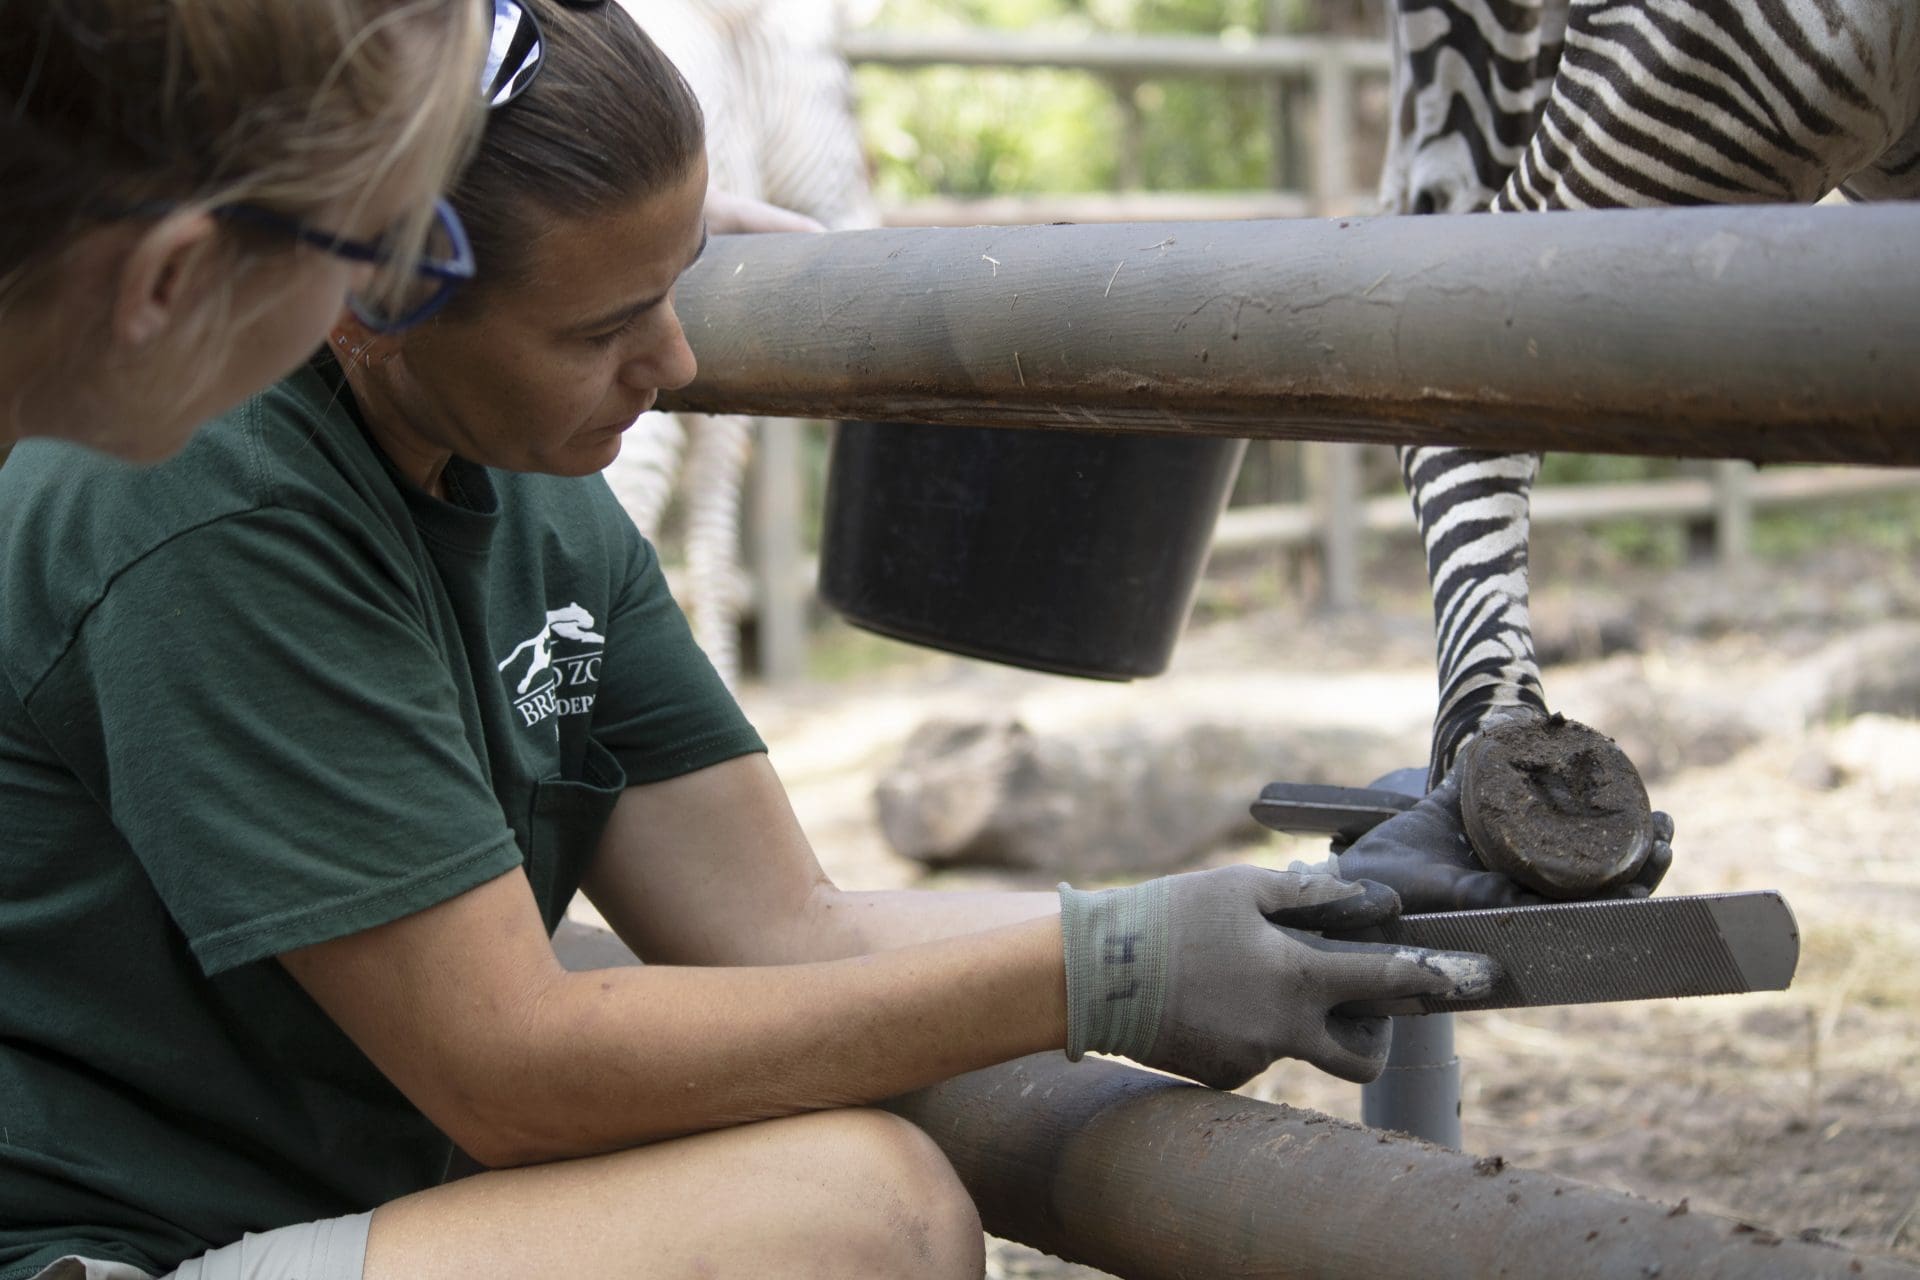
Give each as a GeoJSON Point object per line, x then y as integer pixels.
{"type": "Point", "coordinates": [1518, 803]}
{"type": "Point", "coordinates": [1470, 79]}
{"type": "Point", "coordinates": [1651, 104]}
{"type": "Point", "coordinates": [1472, 509]}
{"type": "Point", "coordinates": [1548, 804]}
{"type": "Point", "coordinates": [716, 590]}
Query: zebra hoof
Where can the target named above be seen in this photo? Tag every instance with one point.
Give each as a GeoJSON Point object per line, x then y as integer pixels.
{"type": "Point", "coordinates": [1555, 805]}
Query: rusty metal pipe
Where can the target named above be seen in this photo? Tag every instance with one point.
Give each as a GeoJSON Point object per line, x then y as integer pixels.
{"type": "Point", "coordinates": [1153, 1179]}
{"type": "Point", "coordinates": [1778, 334]}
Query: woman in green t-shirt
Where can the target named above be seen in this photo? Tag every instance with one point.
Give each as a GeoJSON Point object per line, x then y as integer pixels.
{"type": "Point", "coordinates": [173, 178]}
{"type": "Point", "coordinates": [322, 724]}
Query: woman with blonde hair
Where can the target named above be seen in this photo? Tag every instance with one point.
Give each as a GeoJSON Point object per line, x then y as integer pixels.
{"type": "Point", "coordinates": [191, 189]}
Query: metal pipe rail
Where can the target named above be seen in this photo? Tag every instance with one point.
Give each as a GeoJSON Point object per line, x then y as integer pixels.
{"type": "Point", "coordinates": [1776, 334]}
{"type": "Point", "coordinates": [1152, 1178]}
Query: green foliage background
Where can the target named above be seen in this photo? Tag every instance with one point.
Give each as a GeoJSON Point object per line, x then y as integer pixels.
{"type": "Point", "coordinates": [964, 132]}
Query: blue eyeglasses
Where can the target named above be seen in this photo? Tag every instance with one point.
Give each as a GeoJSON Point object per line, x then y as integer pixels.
{"type": "Point", "coordinates": [515, 54]}
{"type": "Point", "coordinates": [445, 262]}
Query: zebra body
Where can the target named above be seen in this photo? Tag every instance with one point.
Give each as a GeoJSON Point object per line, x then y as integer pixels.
{"type": "Point", "coordinates": [1544, 104]}
{"type": "Point", "coordinates": [778, 100]}
{"type": "Point", "coordinates": [1535, 105]}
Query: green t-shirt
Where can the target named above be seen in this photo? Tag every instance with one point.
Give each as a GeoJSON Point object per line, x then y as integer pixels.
{"type": "Point", "coordinates": [257, 697]}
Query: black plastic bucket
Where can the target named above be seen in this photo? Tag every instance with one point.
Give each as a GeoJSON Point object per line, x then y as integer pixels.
{"type": "Point", "coordinates": [1059, 551]}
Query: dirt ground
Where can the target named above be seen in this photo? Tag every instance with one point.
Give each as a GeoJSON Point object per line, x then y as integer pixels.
{"type": "Point", "coordinates": [1798, 1110]}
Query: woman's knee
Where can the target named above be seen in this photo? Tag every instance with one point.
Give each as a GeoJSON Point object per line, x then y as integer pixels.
{"type": "Point", "coordinates": [828, 1194]}
{"type": "Point", "coordinates": [917, 1218]}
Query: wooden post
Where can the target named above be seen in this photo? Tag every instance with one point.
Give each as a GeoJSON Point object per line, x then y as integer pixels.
{"type": "Point", "coordinates": [1133, 132]}
{"type": "Point", "coordinates": [779, 594]}
{"type": "Point", "coordinates": [1339, 515]}
{"type": "Point", "coordinates": [1285, 172]}
{"type": "Point", "coordinates": [1333, 137]}
{"type": "Point", "coordinates": [1732, 511]}
{"type": "Point", "coordinates": [1283, 159]}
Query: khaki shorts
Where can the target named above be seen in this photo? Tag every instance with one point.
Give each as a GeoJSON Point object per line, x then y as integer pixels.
{"type": "Point", "coordinates": [335, 1249]}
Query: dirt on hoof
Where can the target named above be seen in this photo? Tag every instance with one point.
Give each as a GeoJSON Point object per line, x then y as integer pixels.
{"type": "Point", "coordinates": [1555, 805]}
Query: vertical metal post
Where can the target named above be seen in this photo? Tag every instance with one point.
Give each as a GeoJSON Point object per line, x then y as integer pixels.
{"type": "Point", "coordinates": [1419, 1092]}
{"type": "Point", "coordinates": [780, 601]}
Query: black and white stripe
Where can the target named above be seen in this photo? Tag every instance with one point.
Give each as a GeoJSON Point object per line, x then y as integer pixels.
{"type": "Point", "coordinates": [1533, 105]}
{"type": "Point", "coordinates": [1472, 509]}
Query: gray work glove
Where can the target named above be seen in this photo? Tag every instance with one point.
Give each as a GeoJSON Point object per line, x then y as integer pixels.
{"type": "Point", "coordinates": [1212, 976]}
{"type": "Point", "coordinates": [1423, 855]}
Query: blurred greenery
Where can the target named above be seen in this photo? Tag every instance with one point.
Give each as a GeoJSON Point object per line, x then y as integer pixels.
{"type": "Point", "coordinates": [961, 132]}
{"type": "Point", "coordinates": [948, 131]}
{"type": "Point", "coordinates": [1604, 468]}
{"type": "Point", "coordinates": [1884, 524]}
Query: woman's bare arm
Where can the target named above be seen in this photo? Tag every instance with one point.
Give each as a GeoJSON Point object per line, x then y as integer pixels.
{"type": "Point", "coordinates": [712, 868]}
{"type": "Point", "coordinates": [464, 1007]}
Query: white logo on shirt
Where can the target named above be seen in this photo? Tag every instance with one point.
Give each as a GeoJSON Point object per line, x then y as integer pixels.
{"type": "Point", "coordinates": [538, 695]}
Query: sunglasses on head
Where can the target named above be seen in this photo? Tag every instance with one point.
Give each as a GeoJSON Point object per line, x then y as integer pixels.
{"type": "Point", "coordinates": [517, 49]}
{"type": "Point", "coordinates": [515, 54]}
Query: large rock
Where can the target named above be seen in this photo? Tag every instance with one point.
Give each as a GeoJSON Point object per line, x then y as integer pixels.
{"type": "Point", "coordinates": [1116, 800]}
{"type": "Point", "coordinates": [1882, 751]}
{"type": "Point", "coordinates": [1665, 726]}
{"type": "Point", "coordinates": [1875, 671]}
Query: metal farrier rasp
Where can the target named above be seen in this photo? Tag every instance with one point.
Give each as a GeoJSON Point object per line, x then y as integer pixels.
{"type": "Point", "coordinates": [1585, 952]}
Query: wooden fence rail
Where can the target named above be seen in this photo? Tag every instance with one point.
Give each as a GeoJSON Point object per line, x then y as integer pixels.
{"type": "Point", "coordinates": [1332, 523]}
{"type": "Point", "coordinates": [1724, 499]}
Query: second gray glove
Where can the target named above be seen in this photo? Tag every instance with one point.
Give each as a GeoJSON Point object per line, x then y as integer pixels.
{"type": "Point", "coordinates": [1213, 975]}
{"type": "Point", "coordinates": [1424, 856]}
